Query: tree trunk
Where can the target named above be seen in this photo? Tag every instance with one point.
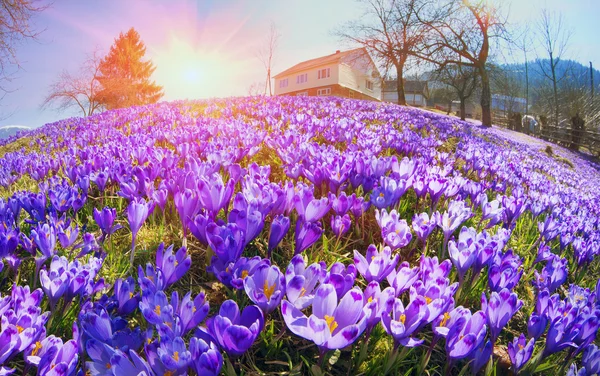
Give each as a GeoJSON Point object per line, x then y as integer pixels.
{"type": "Point", "coordinates": [486, 99]}
{"type": "Point", "coordinates": [463, 107]}
{"type": "Point", "coordinates": [400, 84]}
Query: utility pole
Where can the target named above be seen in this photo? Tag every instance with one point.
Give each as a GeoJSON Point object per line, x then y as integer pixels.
{"type": "Point", "coordinates": [592, 80]}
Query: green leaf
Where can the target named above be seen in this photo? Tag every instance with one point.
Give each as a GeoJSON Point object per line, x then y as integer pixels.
{"type": "Point", "coordinates": [544, 367]}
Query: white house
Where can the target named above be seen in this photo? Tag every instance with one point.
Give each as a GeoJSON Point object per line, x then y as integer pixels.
{"type": "Point", "coordinates": [350, 74]}
{"type": "Point", "coordinates": [416, 93]}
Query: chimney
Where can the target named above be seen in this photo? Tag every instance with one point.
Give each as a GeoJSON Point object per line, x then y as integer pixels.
{"type": "Point", "coordinates": [337, 51]}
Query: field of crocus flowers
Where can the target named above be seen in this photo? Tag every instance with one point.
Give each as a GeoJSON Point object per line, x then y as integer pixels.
{"type": "Point", "coordinates": [294, 235]}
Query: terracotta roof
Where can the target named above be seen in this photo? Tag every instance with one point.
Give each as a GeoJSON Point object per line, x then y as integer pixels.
{"type": "Point", "coordinates": [409, 86]}
{"type": "Point", "coordinates": [324, 60]}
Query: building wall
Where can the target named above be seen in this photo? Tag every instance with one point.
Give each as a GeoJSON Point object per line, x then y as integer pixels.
{"type": "Point", "coordinates": [354, 76]}
{"type": "Point", "coordinates": [411, 99]}
{"type": "Point", "coordinates": [312, 82]}
{"type": "Point", "coordinates": [336, 90]}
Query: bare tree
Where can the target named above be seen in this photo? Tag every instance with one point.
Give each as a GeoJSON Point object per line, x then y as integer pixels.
{"type": "Point", "coordinates": [79, 90]}
{"type": "Point", "coordinates": [462, 79]}
{"type": "Point", "coordinates": [391, 32]}
{"type": "Point", "coordinates": [266, 54]}
{"type": "Point", "coordinates": [15, 27]}
{"type": "Point", "coordinates": [555, 39]}
{"type": "Point", "coordinates": [464, 32]}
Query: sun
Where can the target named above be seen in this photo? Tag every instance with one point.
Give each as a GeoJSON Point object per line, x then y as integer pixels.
{"type": "Point", "coordinates": [186, 72]}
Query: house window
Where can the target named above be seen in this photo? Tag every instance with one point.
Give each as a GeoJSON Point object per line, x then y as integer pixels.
{"type": "Point", "coordinates": [302, 78]}
{"type": "Point", "coordinates": [323, 73]}
{"type": "Point", "coordinates": [324, 91]}
{"type": "Point", "coordinates": [369, 85]}
{"type": "Point", "coordinates": [283, 83]}
{"type": "Point", "coordinates": [302, 94]}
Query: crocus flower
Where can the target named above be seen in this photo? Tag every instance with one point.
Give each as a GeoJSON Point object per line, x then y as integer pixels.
{"type": "Point", "coordinates": [55, 282]}
{"type": "Point", "coordinates": [227, 241]}
{"type": "Point", "coordinates": [265, 287]}
{"type": "Point", "coordinates": [279, 228]}
{"type": "Point", "coordinates": [359, 205]}
{"type": "Point", "coordinates": [423, 225]}
{"type": "Point", "coordinates": [377, 303]}
{"type": "Point", "coordinates": [340, 224]}
{"type": "Point", "coordinates": [126, 297]}
{"type": "Point", "coordinates": [206, 358]}
{"type": "Point", "coordinates": [481, 356]}
{"type": "Point", "coordinates": [137, 213]}
{"type": "Point", "coordinates": [491, 211]}
{"type": "Point", "coordinates": [553, 275]}
{"type": "Point", "coordinates": [174, 355]}
{"type": "Point", "coordinates": [187, 205]}
{"type": "Point", "coordinates": [340, 203]}
{"type": "Point", "coordinates": [341, 277]}
{"type": "Point", "coordinates": [500, 309]}
{"type": "Point", "coordinates": [214, 194]}
{"type": "Point", "coordinates": [190, 312]}
{"type": "Point", "coordinates": [403, 278]}
{"type": "Point", "coordinates": [61, 361]}
{"type": "Point", "coordinates": [245, 267]}
{"type": "Point", "coordinates": [519, 351]}
{"type": "Point", "coordinates": [388, 192]}
{"type": "Point", "coordinates": [505, 271]}
{"type": "Point", "coordinates": [307, 233]}
{"type": "Point", "coordinates": [332, 324]}
{"type": "Point", "coordinates": [457, 213]}
{"type": "Point", "coordinates": [402, 323]}
{"type": "Point", "coordinates": [235, 332]}
{"type": "Point", "coordinates": [301, 281]}
{"type": "Point", "coordinates": [45, 239]}
{"type": "Point", "coordinates": [466, 335]}
{"type": "Point", "coordinates": [591, 359]}
{"type": "Point", "coordinates": [394, 231]}
{"type": "Point", "coordinates": [463, 254]}
{"type": "Point", "coordinates": [173, 266]}
{"type": "Point", "coordinates": [376, 265]}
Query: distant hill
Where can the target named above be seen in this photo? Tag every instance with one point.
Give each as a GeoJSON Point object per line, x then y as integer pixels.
{"type": "Point", "coordinates": [11, 130]}
{"type": "Point", "coordinates": [569, 69]}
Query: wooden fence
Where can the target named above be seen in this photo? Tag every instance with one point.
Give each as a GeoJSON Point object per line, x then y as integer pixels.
{"type": "Point", "coordinates": [584, 139]}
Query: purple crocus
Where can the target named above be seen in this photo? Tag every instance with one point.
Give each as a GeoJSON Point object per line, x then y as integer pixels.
{"type": "Point", "coordinates": [394, 231]}
{"type": "Point", "coordinates": [340, 224]}
{"type": "Point", "coordinates": [227, 241]}
{"type": "Point", "coordinates": [402, 323]}
{"type": "Point", "coordinates": [173, 266]}
{"type": "Point", "coordinates": [266, 287]}
{"type": "Point", "coordinates": [403, 278]}
{"type": "Point", "coordinates": [456, 214]}
{"type": "Point", "coordinates": [500, 309]}
{"type": "Point", "coordinates": [174, 355]}
{"type": "Point", "coordinates": [44, 237]}
{"type": "Point", "coordinates": [206, 358]}
{"type": "Point", "coordinates": [519, 351]}
{"type": "Point", "coordinates": [279, 228]}
{"type": "Point", "coordinates": [137, 213]}
{"type": "Point", "coordinates": [234, 332]}
{"type": "Point", "coordinates": [307, 233]}
{"type": "Point", "coordinates": [423, 225]}
{"type": "Point", "coordinates": [340, 203]}
{"type": "Point", "coordinates": [332, 324]}
{"type": "Point", "coordinates": [464, 253]}
{"type": "Point", "coordinates": [301, 281]}
{"type": "Point", "coordinates": [127, 299]}
{"type": "Point", "coordinates": [214, 194]}
{"type": "Point", "coordinates": [377, 303]}
{"type": "Point", "coordinates": [190, 311]}
{"type": "Point", "coordinates": [466, 335]}
{"type": "Point", "coordinates": [244, 268]}
{"type": "Point", "coordinates": [376, 265]}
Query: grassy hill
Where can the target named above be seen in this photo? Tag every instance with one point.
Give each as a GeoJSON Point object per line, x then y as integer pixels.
{"type": "Point", "coordinates": [354, 237]}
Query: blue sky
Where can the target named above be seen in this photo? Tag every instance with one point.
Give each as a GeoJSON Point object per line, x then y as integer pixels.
{"type": "Point", "coordinates": [206, 49]}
